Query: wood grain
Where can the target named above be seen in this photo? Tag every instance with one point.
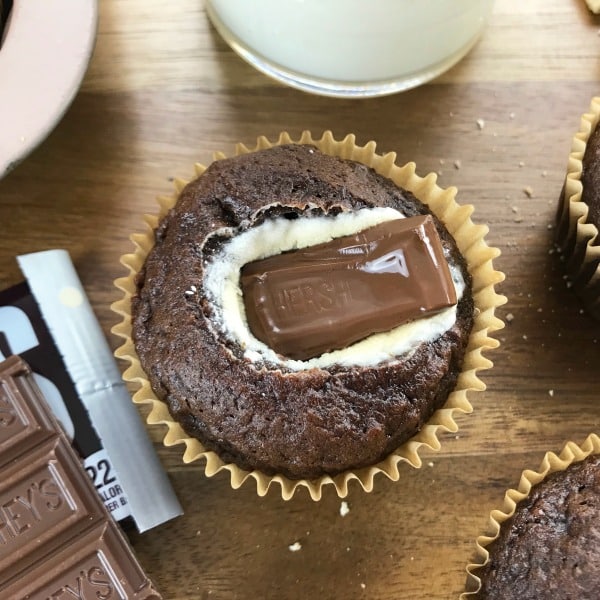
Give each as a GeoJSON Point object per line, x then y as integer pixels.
{"type": "Point", "coordinates": [162, 92]}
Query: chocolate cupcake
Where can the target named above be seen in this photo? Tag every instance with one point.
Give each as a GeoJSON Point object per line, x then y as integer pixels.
{"type": "Point", "coordinates": [295, 402]}
{"type": "Point", "coordinates": [546, 539]}
{"type": "Point", "coordinates": [578, 217]}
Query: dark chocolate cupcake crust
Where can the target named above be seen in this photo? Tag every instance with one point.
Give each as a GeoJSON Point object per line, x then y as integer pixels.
{"type": "Point", "coordinates": [301, 424]}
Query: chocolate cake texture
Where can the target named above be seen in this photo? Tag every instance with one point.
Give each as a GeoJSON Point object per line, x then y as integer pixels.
{"type": "Point", "coordinates": [302, 423]}
{"type": "Point", "coordinates": [550, 547]}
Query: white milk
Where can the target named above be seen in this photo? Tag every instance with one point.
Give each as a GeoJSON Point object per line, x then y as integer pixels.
{"type": "Point", "coordinates": [351, 47]}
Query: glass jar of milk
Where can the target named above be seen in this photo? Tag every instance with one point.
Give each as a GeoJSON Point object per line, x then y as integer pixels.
{"type": "Point", "coordinates": [352, 48]}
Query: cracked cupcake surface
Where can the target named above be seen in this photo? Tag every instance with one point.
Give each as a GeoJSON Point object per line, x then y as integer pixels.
{"type": "Point", "coordinates": [302, 419]}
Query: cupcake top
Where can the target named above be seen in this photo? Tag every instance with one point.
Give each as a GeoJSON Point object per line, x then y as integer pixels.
{"type": "Point", "coordinates": [550, 547]}
{"type": "Point", "coordinates": [299, 416]}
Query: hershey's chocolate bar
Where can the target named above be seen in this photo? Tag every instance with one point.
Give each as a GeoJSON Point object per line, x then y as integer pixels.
{"type": "Point", "coordinates": [325, 297]}
{"type": "Point", "coordinates": [57, 539]}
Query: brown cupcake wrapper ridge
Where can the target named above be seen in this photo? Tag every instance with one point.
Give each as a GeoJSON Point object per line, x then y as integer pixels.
{"type": "Point", "coordinates": [578, 241]}
{"type": "Point", "coordinates": [551, 463]}
{"type": "Point", "coordinates": [470, 241]}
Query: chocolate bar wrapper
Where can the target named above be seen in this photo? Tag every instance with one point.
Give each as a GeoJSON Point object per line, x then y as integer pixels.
{"type": "Point", "coordinates": [48, 322]}
{"type": "Point", "coordinates": [24, 332]}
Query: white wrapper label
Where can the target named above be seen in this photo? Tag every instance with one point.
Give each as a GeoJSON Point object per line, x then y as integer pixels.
{"type": "Point", "coordinates": [106, 481]}
{"type": "Point", "coordinates": [89, 360]}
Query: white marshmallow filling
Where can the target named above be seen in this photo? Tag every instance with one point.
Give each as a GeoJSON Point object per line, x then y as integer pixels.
{"type": "Point", "coordinates": [273, 236]}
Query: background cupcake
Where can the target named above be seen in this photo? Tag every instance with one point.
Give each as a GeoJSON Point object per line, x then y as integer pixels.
{"type": "Point", "coordinates": [545, 541]}
{"type": "Point", "coordinates": [578, 217]}
{"type": "Point", "coordinates": [470, 246]}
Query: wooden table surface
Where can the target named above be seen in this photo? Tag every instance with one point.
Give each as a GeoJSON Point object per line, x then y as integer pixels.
{"type": "Point", "coordinates": [163, 91]}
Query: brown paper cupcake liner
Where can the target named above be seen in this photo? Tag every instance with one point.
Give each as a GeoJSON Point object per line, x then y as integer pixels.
{"type": "Point", "coordinates": [551, 463]}
{"type": "Point", "coordinates": [470, 241]}
{"type": "Point", "coordinates": [578, 240]}
{"type": "Point", "coordinates": [594, 6]}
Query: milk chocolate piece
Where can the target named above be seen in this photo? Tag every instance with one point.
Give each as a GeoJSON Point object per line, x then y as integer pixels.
{"type": "Point", "coordinates": [57, 539]}
{"type": "Point", "coordinates": [325, 297]}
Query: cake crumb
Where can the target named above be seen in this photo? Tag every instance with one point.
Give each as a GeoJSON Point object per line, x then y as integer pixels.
{"type": "Point", "coordinates": [514, 209]}
{"type": "Point", "coordinates": [521, 163]}
{"type": "Point", "coordinates": [512, 115]}
{"type": "Point", "coordinates": [344, 509]}
{"type": "Point", "coordinates": [544, 173]}
{"type": "Point", "coordinates": [509, 317]}
{"type": "Point", "coordinates": [363, 586]}
{"type": "Point", "coordinates": [528, 191]}
{"type": "Point", "coordinates": [295, 547]}
{"type": "Point", "coordinates": [480, 123]}
{"type": "Point", "coordinates": [430, 464]}
{"type": "Point", "coordinates": [457, 164]}
{"type": "Point", "coordinates": [524, 337]}
{"type": "Point", "coordinates": [551, 393]}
